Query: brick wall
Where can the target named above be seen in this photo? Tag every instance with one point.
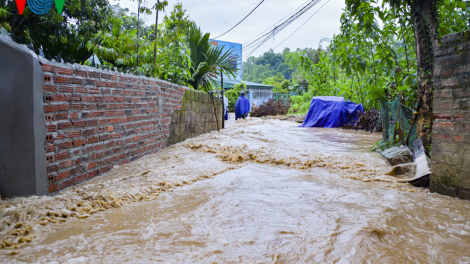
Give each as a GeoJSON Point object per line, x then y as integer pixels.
{"type": "Point", "coordinates": [96, 119]}
{"type": "Point", "coordinates": [451, 131]}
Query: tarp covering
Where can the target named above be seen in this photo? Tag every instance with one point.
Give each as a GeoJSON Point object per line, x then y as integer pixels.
{"type": "Point", "coordinates": [331, 111]}
{"type": "Point", "coordinates": [242, 106]}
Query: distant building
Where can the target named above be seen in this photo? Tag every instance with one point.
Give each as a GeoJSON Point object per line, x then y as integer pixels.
{"type": "Point", "coordinates": [235, 55]}
{"type": "Point", "coordinates": [257, 93]}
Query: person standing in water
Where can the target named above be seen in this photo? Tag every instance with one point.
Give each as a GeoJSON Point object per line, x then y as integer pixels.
{"type": "Point", "coordinates": [242, 107]}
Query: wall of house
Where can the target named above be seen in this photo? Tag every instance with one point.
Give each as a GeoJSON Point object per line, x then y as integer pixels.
{"type": "Point", "coordinates": [451, 130]}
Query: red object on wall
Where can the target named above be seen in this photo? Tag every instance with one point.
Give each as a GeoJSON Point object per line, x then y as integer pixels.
{"type": "Point", "coordinates": [20, 4]}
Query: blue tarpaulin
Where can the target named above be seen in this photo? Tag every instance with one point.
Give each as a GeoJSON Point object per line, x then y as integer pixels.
{"type": "Point", "coordinates": [242, 106]}
{"type": "Point", "coordinates": [331, 111]}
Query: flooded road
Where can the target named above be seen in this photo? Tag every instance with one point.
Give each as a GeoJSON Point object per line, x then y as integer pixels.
{"type": "Point", "coordinates": [260, 191]}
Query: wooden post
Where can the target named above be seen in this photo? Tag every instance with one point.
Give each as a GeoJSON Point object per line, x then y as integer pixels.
{"type": "Point", "coordinates": [223, 100]}
{"type": "Point", "coordinates": [215, 113]}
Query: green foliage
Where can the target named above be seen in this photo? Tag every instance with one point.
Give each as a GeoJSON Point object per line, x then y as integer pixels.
{"type": "Point", "coordinates": [207, 61]}
{"type": "Point", "coordinates": [55, 33]}
{"type": "Point", "coordinates": [233, 94]}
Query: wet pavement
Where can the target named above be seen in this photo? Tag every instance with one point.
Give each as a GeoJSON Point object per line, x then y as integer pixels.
{"type": "Point", "coordinates": [260, 191]}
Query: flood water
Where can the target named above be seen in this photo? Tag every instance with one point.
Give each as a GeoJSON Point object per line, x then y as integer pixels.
{"type": "Point", "coordinates": [260, 191]}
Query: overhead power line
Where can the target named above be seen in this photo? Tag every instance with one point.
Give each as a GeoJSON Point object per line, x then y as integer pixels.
{"type": "Point", "coordinates": [302, 24]}
{"type": "Point", "coordinates": [277, 22]}
{"type": "Point", "coordinates": [254, 45]}
{"type": "Point", "coordinates": [241, 20]}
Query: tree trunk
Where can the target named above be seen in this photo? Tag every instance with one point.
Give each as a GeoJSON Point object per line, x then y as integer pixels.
{"type": "Point", "coordinates": [424, 18]}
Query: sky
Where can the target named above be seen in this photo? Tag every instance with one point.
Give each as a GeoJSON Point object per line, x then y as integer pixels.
{"type": "Point", "coordinates": [218, 16]}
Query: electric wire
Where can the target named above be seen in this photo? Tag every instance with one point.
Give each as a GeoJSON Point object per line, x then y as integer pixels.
{"type": "Point", "coordinates": [254, 45]}
{"type": "Point", "coordinates": [302, 24]}
{"type": "Point", "coordinates": [277, 21]}
{"type": "Point", "coordinates": [241, 20]}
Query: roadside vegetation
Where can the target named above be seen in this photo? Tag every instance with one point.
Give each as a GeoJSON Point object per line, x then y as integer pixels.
{"type": "Point", "coordinates": [95, 33]}
{"type": "Point", "coordinates": [383, 51]}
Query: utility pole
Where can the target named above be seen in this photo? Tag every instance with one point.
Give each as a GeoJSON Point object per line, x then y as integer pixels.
{"type": "Point", "coordinates": [138, 24]}
{"type": "Point", "coordinates": [223, 99]}
{"type": "Point", "coordinates": [156, 30]}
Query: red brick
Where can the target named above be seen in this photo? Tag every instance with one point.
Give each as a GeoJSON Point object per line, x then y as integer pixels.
{"type": "Point", "coordinates": [59, 98]}
{"type": "Point", "coordinates": [67, 183]}
{"type": "Point", "coordinates": [73, 115]}
{"type": "Point", "coordinates": [105, 169]}
{"type": "Point", "coordinates": [64, 125]}
{"type": "Point", "coordinates": [62, 175]}
{"type": "Point", "coordinates": [80, 178]}
{"type": "Point", "coordinates": [94, 91]}
{"type": "Point", "coordinates": [93, 122]}
{"type": "Point", "coordinates": [79, 123]}
{"type": "Point", "coordinates": [104, 137]}
{"type": "Point", "coordinates": [80, 90]}
{"type": "Point", "coordinates": [114, 120]}
{"type": "Point", "coordinates": [65, 89]}
{"type": "Point", "coordinates": [48, 68]}
{"type": "Point", "coordinates": [61, 116]}
{"type": "Point", "coordinates": [91, 165]}
{"type": "Point", "coordinates": [48, 88]}
{"type": "Point", "coordinates": [78, 106]}
{"type": "Point", "coordinates": [61, 79]}
{"type": "Point", "coordinates": [48, 108]}
{"type": "Point", "coordinates": [101, 83]}
{"type": "Point", "coordinates": [87, 132]}
{"type": "Point", "coordinates": [62, 155]}
{"type": "Point", "coordinates": [80, 73]}
{"type": "Point", "coordinates": [52, 188]}
{"type": "Point", "coordinates": [49, 148]}
{"type": "Point", "coordinates": [66, 71]}
{"type": "Point", "coordinates": [109, 98]}
{"type": "Point", "coordinates": [457, 138]}
{"type": "Point", "coordinates": [95, 75]}
{"type": "Point", "coordinates": [79, 142]}
{"type": "Point", "coordinates": [52, 168]}
{"type": "Point", "coordinates": [86, 98]}
{"type": "Point", "coordinates": [66, 164]}
{"type": "Point", "coordinates": [115, 135]}
{"type": "Point", "coordinates": [51, 128]}
{"type": "Point", "coordinates": [109, 129]}
{"type": "Point", "coordinates": [64, 145]}
{"type": "Point", "coordinates": [93, 174]}
{"type": "Point", "coordinates": [92, 140]}
{"type": "Point", "coordinates": [73, 134]}
{"type": "Point", "coordinates": [62, 107]}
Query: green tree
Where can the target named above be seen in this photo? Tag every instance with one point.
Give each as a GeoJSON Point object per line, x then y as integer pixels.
{"type": "Point", "coordinates": [207, 61]}
{"type": "Point", "coordinates": [60, 36]}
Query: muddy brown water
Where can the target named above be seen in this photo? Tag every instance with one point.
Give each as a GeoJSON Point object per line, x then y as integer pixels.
{"type": "Point", "coordinates": [261, 191]}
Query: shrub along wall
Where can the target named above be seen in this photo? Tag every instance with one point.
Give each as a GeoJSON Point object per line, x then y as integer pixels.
{"type": "Point", "coordinates": [84, 120]}
{"type": "Point", "coordinates": [451, 131]}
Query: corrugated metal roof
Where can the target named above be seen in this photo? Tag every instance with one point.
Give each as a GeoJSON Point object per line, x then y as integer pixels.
{"type": "Point", "coordinates": [230, 83]}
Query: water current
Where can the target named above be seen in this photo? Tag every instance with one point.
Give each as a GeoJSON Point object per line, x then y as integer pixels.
{"type": "Point", "coordinates": [259, 191]}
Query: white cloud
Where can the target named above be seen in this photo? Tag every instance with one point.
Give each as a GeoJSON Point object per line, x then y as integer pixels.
{"type": "Point", "coordinates": [218, 16]}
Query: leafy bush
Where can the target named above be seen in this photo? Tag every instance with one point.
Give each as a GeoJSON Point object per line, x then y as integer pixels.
{"type": "Point", "coordinates": [368, 121]}
{"type": "Point", "coordinates": [270, 108]}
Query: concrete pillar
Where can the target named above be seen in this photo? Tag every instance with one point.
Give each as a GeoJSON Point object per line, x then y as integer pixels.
{"type": "Point", "coordinates": [22, 122]}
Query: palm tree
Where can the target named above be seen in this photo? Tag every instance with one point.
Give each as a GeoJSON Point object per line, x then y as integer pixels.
{"type": "Point", "coordinates": [207, 61]}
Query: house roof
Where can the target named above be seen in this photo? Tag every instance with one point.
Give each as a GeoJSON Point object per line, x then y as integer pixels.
{"type": "Point", "coordinates": [228, 84]}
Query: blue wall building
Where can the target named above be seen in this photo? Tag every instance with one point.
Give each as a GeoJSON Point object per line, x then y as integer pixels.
{"type": "Point", "coordinates": [235, 55]}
